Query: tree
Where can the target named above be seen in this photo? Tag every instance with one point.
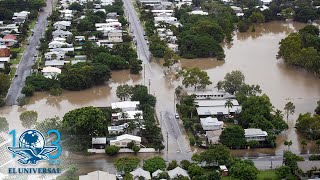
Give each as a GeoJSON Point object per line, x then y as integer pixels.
{"type": "Point", "coordinates": [233, 136]}
{"type": "Point", "coordinates": [170, 58]}
{"type": "Point", "coordinates": [303, 143]}
{"type": "Point", "coordinates": [140, 93]}
{"type": "Point", "coordinates": [28, 118]}
{"type": "Point", "coordinates": [49, 123]}
{"type": "Point", "coordinates": [289, 109]}
{"type": "Point", "coordinates": [217, 154]}
{"type": "Point", "coordinates": [112, 150]}
{"type": "Point", "coordinates": [124, 92]}
{"type": "Point", "coordinates": [126, 164]}
{"type": "Point", "coordinates": [5, 84]}
{"type": "Point", "coordinates": [195, 77]}
{"type": "Point", "coordinates": [135, 66]}
{"type": "Point", "coordinates": [87, 121]}
{"type": "Point", "coordinates": [288, 143]}
{"type": "Point", "coordinates": [257, 17]}
{"type": "Point", "coordinates": [136, 149]}
{"type": "Point", "coordinates": [244, 171]}
{"type": "Point", "coordinates": [309, 125]}
{"type": "Point", "coordinates": [317, 110]}
{"type": "Point", "coordinates": [173, 164]}
{"type": "Point", "coordinates": [228, 104]}
{"type": "Point", "coordinates": [178, 92]}
{"type": "Point", "coordinates": [28, 90]}
{"type": "Point", "coordinates": [185, 164]}
{"type": "Point", "coordinates": [318, 143]}
{"type": "Point", "coordinates": [71, 173]}
{"type": "Point", "coordinates": [291, 159]}
{"type": "Point", "coordinates": [154, 164]}
{"type": "Point", "coordinates": [253, 143]}
{"type": "Point", "coordinates": [4, 125]}
{"type": "Point", "coordinates": [283, 172]}
{"type": "Point", "coordinates": [76, 6]}
{"type": "Point", "coordinates": [195, 170]}
{"type": "Point", "coordinates": [128, 176]}
{"type": "Point", "coordinates": [232, 82]}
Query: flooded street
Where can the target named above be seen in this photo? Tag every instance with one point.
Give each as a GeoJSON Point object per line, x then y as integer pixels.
{"type": "Point", "coordinates": [254, 53]}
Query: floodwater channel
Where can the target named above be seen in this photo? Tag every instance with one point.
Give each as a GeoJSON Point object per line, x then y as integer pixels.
{"type": "Point", "coordinates": [254, 53]}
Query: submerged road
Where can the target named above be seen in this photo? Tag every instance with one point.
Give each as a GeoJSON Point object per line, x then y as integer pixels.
{"type": "Point", "coordinates": [24, 67]}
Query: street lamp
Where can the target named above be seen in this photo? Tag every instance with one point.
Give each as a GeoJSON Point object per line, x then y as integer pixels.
{"type": "Point", "coordinates": [271, 161]}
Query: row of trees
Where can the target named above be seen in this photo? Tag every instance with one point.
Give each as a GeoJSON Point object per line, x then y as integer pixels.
{"type": "Point", "coordinates": [302, 49]}
{"type": "Point", "coordinates": [4, 86]}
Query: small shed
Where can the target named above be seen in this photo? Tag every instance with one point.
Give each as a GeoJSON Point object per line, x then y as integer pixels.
{"type": "Point", "coordinates": [224, 170]}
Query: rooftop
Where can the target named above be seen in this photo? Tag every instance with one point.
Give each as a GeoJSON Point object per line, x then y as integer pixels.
{"type": "Point", "coordinates": [99, 140]}
{"type": "Point", "coordinates": [254, 132]}
{"type": "Point", "coordinates": [178, 171]}
{"type": "Point", "coordinates": [98, 175]}
{"type": "Point", "coordinates": [209, 121]}
{"type": "Point", "coordinates": [216, 102]}
{"type": "Point", "coordinates": [51, 69]}
{"type": "Point", "coordinates": [127, 136]}
{"type": "Point", "coordinates": [140, 173]}
{"type": "Point", "coordinates": [125, 104]}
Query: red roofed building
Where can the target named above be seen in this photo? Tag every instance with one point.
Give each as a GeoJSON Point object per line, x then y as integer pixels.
{"type": "Point", "coordinates": [4, 51]}
{"type": "Point", "coordinates": [10, 39]}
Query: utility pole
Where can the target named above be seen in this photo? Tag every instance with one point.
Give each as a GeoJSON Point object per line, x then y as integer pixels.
{"type": "Point", "coordinates": [149, 85]}
{"type": "Point", "coordinates": [167, 146]}
{"type": "Point", "coordinates": [174, 103]}
{"type": "Point", "coordinates": [144, 74]}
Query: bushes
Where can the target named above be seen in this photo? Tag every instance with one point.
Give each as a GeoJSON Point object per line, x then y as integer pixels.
{"type": "Point", "coordinates": [112, 150]}
{"type": "Point", "coordinates": [28, 90]}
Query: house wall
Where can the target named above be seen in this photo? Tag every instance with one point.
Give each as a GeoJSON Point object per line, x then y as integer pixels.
{"type": "Point", "coordinates": [123, 143]}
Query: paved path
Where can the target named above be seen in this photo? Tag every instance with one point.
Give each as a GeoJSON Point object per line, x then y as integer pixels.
{"type": "Point", "coordinates": [24, 68]}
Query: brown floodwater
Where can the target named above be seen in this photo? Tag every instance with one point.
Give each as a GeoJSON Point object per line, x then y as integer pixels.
{"type": "Point", "coordinates": [254, 53]}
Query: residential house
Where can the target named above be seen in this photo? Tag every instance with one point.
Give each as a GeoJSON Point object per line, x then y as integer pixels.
{"type": "Point", "coordinates": [20, 15]}
{"type": "Point", "coordinates": [50, 72]}
{"type": "Point", "coordinates": [4, 51]}
{"type": "Point", "coordinates": [117, 129]}
{"type": "Point", "coordinates": [4, 60]}
{"type": "Point", "coordinates": [98, 175]}
{"type": "Point", "coordinates": [211, 94]}
{"type": "Point", "coordinates": [125, 105]}
{"type": "Point", "coordinates": [156, 173]}
{"type": "Point", "coordinates": [266, 2]}
{"type": "Point", "coordinates": [80, 38]}
{"type": "Point", "coordinates": [173, 47]}
{"type": "Point", "coordinates": [106, 2]}
{"type": "Point", "coordinates": [60, 39]}
{"type": "Point", "coordinates": [115, 36]}
{"type": "Point", "coordinates": [63, 50]}
{"type": "Point", "coordinates": [123, 140]}
{"type": "Point", "coordinates": [112, 15]}
{"type": "Point", "coordinates": [62, 25]}
{"type": "Point", "coordinates": [151, 3]}
{"type": "Point", "coordinates": [224, 170]}
{"type": "Point", "coordinates": [61, 33]}
{"type": "Point", "coordinates": [211, 124]}
{"type": "Point", "coordinates": [127, 115]}
{"type": "Point", "coordinates": [198, 12]}
{"type": "Point", "coordinates": [99, 142]}
{"type": "Point", "coordinates": [9, 40]}
{"type": "Point", "coordinates": [111, 20]}
{"type": "Point", "coordinates": [169, 20]}
{"type": "Point", "coordinates": [54, 55]}
{"type": "Point", "coordinates": [105, 43]}
{"type": "Point", "coordinates": [58, 44]}
{"type": "Point", "coordinates": [54, 63]}
{"type": "Point", "coordinates": [140, 173]}
{"type": "Point", "coordinates": [116, 25]}
{"type": "Point", "coordinates": [160, 12]}
{"type": "Point", "coordinates": [97, 10]}
{"type": "Point", "coordinates": [10, 27]}
{"type": "Point", "coordinates": [255, 134]}
{"type": "Point", "coordinates": [176, 172]}
{"type": "Point", "coordinates": [213, 137]}
{"type": "Point", "coordinates": [237, 10]}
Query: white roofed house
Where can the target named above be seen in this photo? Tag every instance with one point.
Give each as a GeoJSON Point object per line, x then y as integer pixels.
{"type": "Point", "coordinates": [54, 55]}
{"type": "Point", "coordinates": [54, 63]}
{"type": "Point", "coordinates": [199, 12]}
{"type": "Point", "coordinates": [125, 105]}
{"type": "Point", "coordinates": [62, 25]}
{"type": "Point", "coordinates": [59, 39]}
{"type": "Point", "coordinates": [123, 140]}
{"type": "Point", "coordinates": [79, 38]}
{"type": "Point", "coordinates": [115, 36]}
{"type": "Point", "coordinates": [50, 72]}
{"type": "Point", "coordinates": [98, 175]}
{"type": "Point", "coordinates": [127, 115]}
{"type": "Point", "coordinates": [61, 33]}
{"type": "Point", "coordinates": [58, 44]}
{"type": "Point", "coordinates": [210, 124]}
{"type": "Point", "coordinates": [99, 142]}
{"type": "Point", "coordinates": [255, 134]}
{"type": "Point", "coordinates": [117, 129]}
{"type": "Point", "coordinates": [140, 173]}
{"type": "Point", "coordinates": [176, 172]}
{"type": "Point", "coordinates": [116, 25]}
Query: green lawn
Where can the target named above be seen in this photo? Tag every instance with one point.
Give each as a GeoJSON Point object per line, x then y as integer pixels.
{"type": "Point", "coordinates": [13, 72]}
{"type": "Point", "coordinates": [268, 174]}
{"type": "Point", "coordinates": [17, 59]}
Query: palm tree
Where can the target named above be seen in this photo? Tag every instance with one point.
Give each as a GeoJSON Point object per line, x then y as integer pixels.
{"type": "Point", "coordinates": [288, 143]}
{"type": "Point", "coordinates": [178, 92]}
{"type": "Point", "coordinates": [131, 127]}
{"type": "Point", "coordinates": [228, 104]}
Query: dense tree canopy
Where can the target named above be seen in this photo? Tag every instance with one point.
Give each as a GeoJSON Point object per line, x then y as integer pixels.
{"type": "Point", "coordinates": [302, 49]}
{"type": "Point", "coordinates": [195, 77]}
{"type": "Point", "coordinates": [233, 137]}
{"type": "Point", "coordinates": [217, 154]}
{"type": "Point", "coordinates": [154, 164]}
{"type": "Point", "coordinates": [244, 170]}
{"type": "Point", "coordinates": [28, 118]}
{"type": "Point", "coordinates": [309, 125]}
{"type": "Point", "coordinates": [126, 164]}
{"type": "Point", "coordinates": [5, 84]}
{"type": "Point", "coordinates": [84, 121]}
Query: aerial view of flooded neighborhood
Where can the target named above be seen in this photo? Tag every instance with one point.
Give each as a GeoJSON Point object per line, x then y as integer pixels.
{"type": "Point", "coordinates": [159, 89]}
